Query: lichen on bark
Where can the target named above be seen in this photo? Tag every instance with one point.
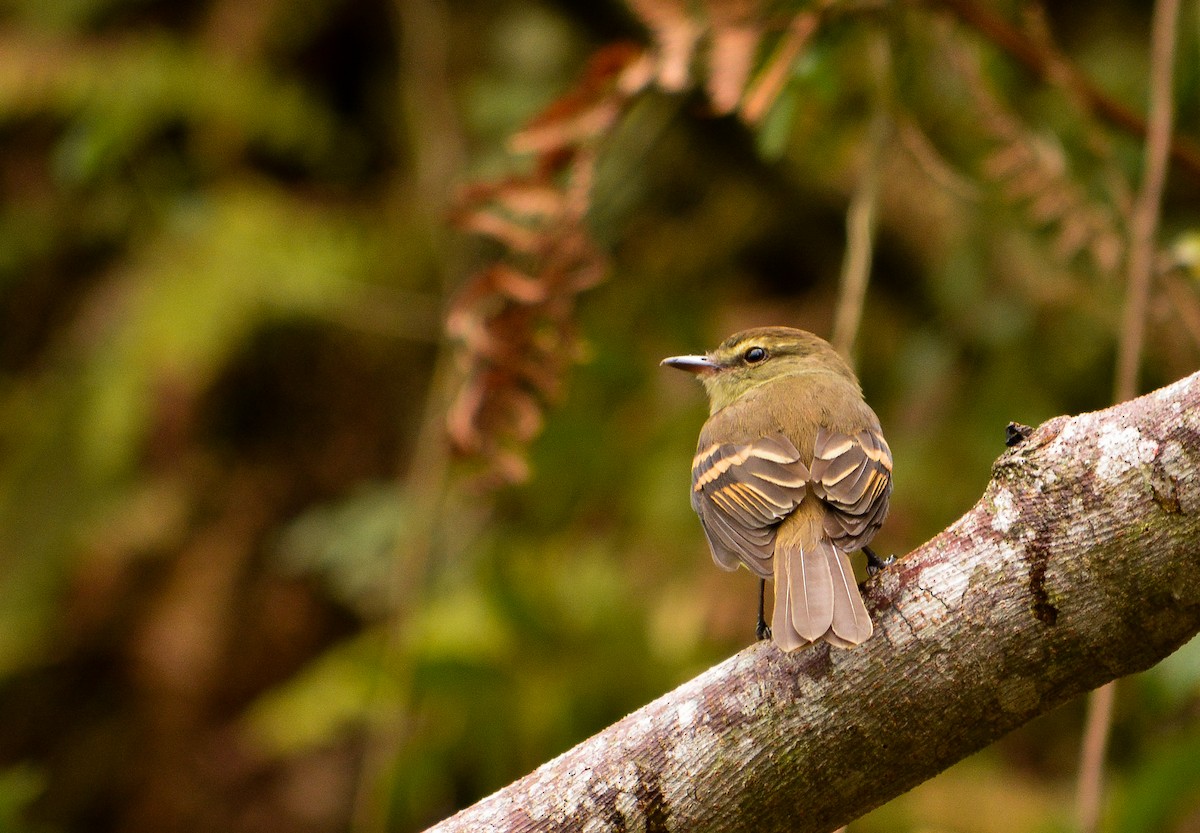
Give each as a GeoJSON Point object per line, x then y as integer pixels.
{"type": "Point", "coordinates": [1078, 565]}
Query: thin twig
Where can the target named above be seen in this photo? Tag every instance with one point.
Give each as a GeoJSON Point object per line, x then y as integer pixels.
{"type": "Point", "coordinates": [424, 94]}
{"type": "Point", "coordinates": [1143, 229]}
{"type": "Point", "coordinates": [1089, 790]}
{"type": "Point", "coordinates": [1143, 224]}
{"type": "Point", "coordinates": [860, 217]}
{"type": "Point", "coordinates": [764, 89]}
{"type": "Point", "coordinates": [936, 167]}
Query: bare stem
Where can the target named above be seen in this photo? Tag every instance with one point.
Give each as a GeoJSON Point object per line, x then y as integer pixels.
{"type": "Point", "coordinates": [860, 217]}
{"type": "Point", "coordinates": [1090, 786]}
{"type": "Point", "coordinates": [1143, 229]}
{"type": "Point", "coordinates": [424, 93]}
{"type": "Point", "coordinates": [1143, 223]}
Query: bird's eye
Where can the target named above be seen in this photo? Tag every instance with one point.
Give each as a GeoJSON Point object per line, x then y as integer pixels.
{"type": "Point", "coordinates": [754, 355]}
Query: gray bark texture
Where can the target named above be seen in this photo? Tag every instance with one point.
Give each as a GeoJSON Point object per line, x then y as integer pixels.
{"type": "Point", "coordinates": [1080, 564]}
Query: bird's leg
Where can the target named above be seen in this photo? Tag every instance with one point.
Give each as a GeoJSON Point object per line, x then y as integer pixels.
{"type": "Point", "coordinates": [875, 563]}
{"type": "Point", "coordinates": [761, 630]}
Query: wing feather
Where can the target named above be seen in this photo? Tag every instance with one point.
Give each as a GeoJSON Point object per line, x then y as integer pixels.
{"type": "Point", "coordinates": [852, 473]}
{"type": "Point", "coordinates": [742, 491]}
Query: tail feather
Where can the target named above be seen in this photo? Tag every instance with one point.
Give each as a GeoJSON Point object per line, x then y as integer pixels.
{"type": "Point", "coordinates": [783, 631]}
{"type": "Point", "coordinates": [816, 596]}
{"type": "Point", "coordinates": [804, 597]}
{"type": "Point", "coordinates": [851, 622]}
{"type": "Point", "coordinates": [812, 600]}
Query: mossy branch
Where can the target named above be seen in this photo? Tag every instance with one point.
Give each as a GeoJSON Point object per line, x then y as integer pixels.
{"type": "Point", "coordinates": [1080, 564]}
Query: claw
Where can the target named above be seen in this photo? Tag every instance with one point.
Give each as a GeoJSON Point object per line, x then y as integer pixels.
{"type": "Point", "coordinates": [875, 564]}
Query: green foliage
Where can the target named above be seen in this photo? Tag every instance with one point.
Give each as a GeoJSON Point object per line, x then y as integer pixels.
{"type": "Point", "coordinates": [19, 787]}
{"type": "Point", "coordinates": [351, 544]}
{"type": "Point", "coordinates": [1164, 792]}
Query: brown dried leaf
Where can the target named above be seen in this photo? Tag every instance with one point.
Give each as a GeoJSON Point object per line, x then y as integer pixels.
{"type": "Point", "coordinates": [566, 133]}
{"type": "Point", "coordinates": [587, 275]}
{"type": "Point", "coordinates": [462, 322]}
{"type": "Point", "coordinates": [515, 284]}
{"type": "Point", "coordinates": [734, 34]}
{"type": "Point", "coordinates": [462, 424]}
{"type": "Point", "coordinates": [1108, 250]}
{"type": "Point", "coordinates": [490, 224]}
{"type": "Point", "coordinates": [541, 370]}
{"type": "Point", "coordinates": [1052, 205]}
{"type": "Point", "coordinates": [597, 84]}
{"type": "Point", "coordinates": [676, 34]}
{"type": "Point", "coordinates": [1033, 168]}
{"type": "Point", "coordinates": [1050, 155]}
{"type": "Point", "coordinates": [637, 76]}
{"type": "Point", "coordinates": [1026, 184]}
{"type": "Point", "coordinates": [510, 467]}
{"type": "Point", "coordinates": [772, 78]}
{"type": "Point", "coordinates": [524, 414]}
{"type": "Point", "coordinates": [531, 200]}
{"type": "Point", "coordinates": [1072, 237]}
{"type": "Point", "coordinates": [730, 60]}
{"type": "Point", "coordinates": [514, 317]}
{"type": "Point", "coordinates": [1004, 162]}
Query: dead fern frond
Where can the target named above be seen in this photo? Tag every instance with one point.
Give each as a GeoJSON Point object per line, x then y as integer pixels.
{"type": "Point", "coordinates": [514, 319]}
{"type": "Point", "coordinates": [1031, 171]}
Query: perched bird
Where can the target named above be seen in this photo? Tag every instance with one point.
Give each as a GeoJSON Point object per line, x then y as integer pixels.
{"type": "Point", "coordinates": [791, 474]}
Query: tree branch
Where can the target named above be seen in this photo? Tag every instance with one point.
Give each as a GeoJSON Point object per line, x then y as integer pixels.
{"type": "Point", "coordinates": [1078, 565]}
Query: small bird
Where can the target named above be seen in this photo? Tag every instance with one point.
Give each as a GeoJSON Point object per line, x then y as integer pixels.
{"type": "Point", "coordinates": [791, 474]}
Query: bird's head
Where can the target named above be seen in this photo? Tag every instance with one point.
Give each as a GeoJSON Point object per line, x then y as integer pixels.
{"type": "Point", "coordinates": [751, 358]}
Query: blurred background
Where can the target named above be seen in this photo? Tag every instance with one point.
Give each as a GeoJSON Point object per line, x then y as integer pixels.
{"type": "Point", "coordinates": [277, 553]}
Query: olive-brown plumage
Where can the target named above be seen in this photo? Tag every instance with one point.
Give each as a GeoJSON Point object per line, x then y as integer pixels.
{"type": "Point", "coordinates": [791, 474]}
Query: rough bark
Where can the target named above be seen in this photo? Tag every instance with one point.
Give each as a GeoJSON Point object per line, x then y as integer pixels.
{"type": "Point", "coordinates": [1078, 565]}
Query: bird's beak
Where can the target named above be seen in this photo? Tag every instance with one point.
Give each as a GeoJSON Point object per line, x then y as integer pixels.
{"type": "Point", "coordinates": [699, 365]}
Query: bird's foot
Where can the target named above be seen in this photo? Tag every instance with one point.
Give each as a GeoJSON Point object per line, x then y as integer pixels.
{"type": "Point", "coordinates": [875, 563]}
{"type": "Point", "coordinates": [761, 630]}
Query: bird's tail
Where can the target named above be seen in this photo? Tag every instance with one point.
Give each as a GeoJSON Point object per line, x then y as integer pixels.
{"type": "Point", "coordinates": [816, 596]}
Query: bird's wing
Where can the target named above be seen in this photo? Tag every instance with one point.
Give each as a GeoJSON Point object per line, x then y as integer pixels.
{"type": "Point", "coordinates": [852, 473]}
{"type": "Point", "coordinates": [741, 492]}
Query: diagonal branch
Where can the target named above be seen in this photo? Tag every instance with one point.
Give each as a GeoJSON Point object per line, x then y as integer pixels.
{"type": "Point", "coordinates": [1078, 565]}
